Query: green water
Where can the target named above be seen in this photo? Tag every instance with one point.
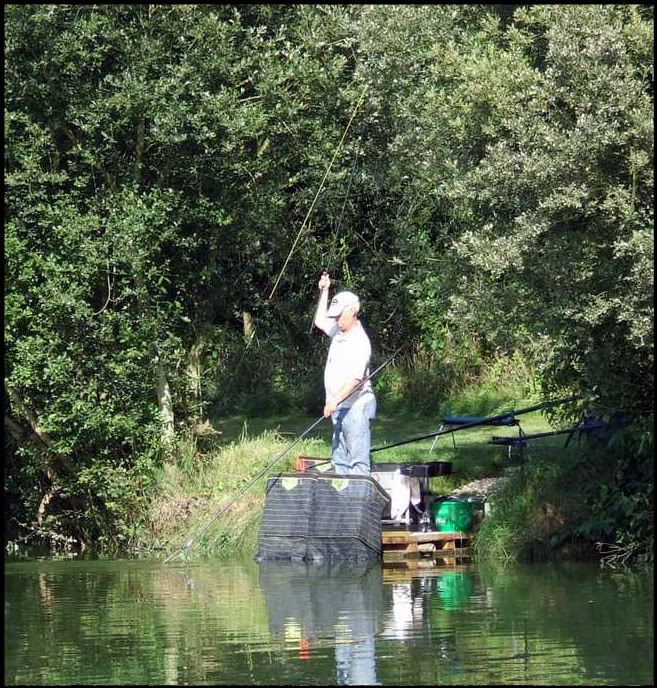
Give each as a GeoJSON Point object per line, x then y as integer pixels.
{"type": "Point", "coordinates": [241, 623]}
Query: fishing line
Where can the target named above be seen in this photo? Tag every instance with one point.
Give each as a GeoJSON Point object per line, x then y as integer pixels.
{"type": "Point", "coordinates": [329, 262]}
{"type": "Point", "coordinates": [344, 205]}
{"type": "Point", "coordinates": [321, 186]}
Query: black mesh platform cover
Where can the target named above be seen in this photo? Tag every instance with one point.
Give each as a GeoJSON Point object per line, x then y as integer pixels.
{"type": "Point", "coordinates": [322, 517]}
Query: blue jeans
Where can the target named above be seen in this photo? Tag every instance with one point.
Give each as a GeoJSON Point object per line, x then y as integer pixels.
{"type": "Point", "coordinates": [356, 663]}
{"type": "Point", "coordinates": [351, 437]}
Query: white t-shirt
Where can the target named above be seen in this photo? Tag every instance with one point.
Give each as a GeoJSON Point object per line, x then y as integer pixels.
{"type": "Point", "coordinates": [348, 358]}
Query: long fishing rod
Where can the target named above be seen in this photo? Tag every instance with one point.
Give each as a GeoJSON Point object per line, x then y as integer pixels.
{"type": "Point", "coordinates": [535, 436]}
{"type": "Point", "coordinates": [483, 421]}
{"type": "Point", "coordinates": [329, 262]}
{"type": "Point", "coordinates": [588, 425]}
{"type": "Point", "coordinates": [225, 508]}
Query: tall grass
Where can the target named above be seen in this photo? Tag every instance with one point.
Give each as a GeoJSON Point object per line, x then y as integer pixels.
{"type": "Point", "coordinates": [424, 383]}
{"type": "Point", "coordinates": [541, 506]}
{"type": "Point", "coordinates": [194, 488]}
{"type": "Point", "coordinates": [506, 382]}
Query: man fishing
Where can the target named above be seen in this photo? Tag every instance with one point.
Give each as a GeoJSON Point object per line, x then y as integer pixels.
{"type": "Point", "coordinates": [350, 407]}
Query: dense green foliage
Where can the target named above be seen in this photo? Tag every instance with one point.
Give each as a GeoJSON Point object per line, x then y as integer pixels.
{"type": "Point", "coordinates": [566, 501]}
{"type": "Point", "coordinates": [493, 195]}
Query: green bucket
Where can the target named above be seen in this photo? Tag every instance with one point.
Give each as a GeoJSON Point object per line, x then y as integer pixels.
{"type": "Point", "coordinates": [452, 515]}
{"type": "Point", "coordinates": [454, 590]}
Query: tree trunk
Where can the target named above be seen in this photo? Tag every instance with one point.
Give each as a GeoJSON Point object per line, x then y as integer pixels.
{"type": "Point", "coordinates": [139, 149]}
{"type": "Point", "coordinates": [14, 429]}
{"type": "Point", "coordinates": [194, 373]}
{"type": "Point", "coordinates": [47, 497]}
{"type": "Point", "coordinates": [247, 319]}
{"type": "Point", "coordinates": [42, 440]}
{"type": "Point", "coordinates": [165, 404]}
{"type": "Point", "coordinates": [29, 415]}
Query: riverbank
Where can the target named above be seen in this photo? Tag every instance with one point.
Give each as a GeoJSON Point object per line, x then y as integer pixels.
{"type": "Point", "coordinates": [211, 469]}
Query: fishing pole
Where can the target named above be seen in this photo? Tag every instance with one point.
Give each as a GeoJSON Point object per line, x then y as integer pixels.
{"type": "Point", "coordinates": [589, 425]}
{"type": "Point", "coordinates": [523, 439]}
{"type": "Point", "coordinates": [483, 421]}
{"type": "Point", "coordinates": [225, 508]}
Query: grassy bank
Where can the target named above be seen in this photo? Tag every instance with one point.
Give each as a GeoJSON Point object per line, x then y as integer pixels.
{"type": "Point", "coordinates": [582, 500]}
{"type": "Point", "coordinates": [555, 502]}
{"type": "Point", "coordinates": [206, 476]}
{"type": "Point", "coordinates": [209, 472]}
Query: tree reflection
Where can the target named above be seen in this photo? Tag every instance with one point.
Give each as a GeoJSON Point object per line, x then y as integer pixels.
{"type": "Point", "coordinates": [230, 623]}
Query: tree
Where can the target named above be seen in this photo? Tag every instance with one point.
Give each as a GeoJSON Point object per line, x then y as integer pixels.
{"type": "Point", "coordinates": [494, 193]}
{"type": "Point", "coordinates": [153, 173]}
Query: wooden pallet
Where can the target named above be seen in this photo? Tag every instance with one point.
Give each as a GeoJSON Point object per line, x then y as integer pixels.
{"type": "Point", "coordinates": [404, 570]}
{"type": "Point", "coordinates": [405, 544]}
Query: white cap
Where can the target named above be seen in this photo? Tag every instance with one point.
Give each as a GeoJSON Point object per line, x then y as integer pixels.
{"type": "Point", "coordinates": [340, 301]}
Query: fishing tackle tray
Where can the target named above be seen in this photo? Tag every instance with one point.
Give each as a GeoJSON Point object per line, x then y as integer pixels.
{"type": "Point", "coordinates": [322, 517]}
{"type": "Point", "coordinates": [429, 469]}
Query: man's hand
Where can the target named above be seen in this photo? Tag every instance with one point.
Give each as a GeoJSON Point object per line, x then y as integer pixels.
{"type": "Point", "coordinates": [324, 281]}
{"type": "Point", "coordinates": [342, 395]}
{"type": "Point", "coordinates": [329, 409]}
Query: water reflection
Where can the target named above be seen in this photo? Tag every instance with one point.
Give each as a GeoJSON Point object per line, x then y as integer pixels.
{"type": "Point", "coordinates": [241, 623]}
{"type": "Point", "coordinates": [342, 603]}
{"type": "Point", "coordinates": [348, 606]}
{"type": "Point", "coordinates": [413, 593]}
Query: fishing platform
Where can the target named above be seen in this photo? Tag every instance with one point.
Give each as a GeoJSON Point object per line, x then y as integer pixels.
{"type": "Point", "coordinates": [428, 532]}
{"type": "Point", "coordinates": [317, 515]}
{"type": "Point", "coordinates": [406, 544]}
